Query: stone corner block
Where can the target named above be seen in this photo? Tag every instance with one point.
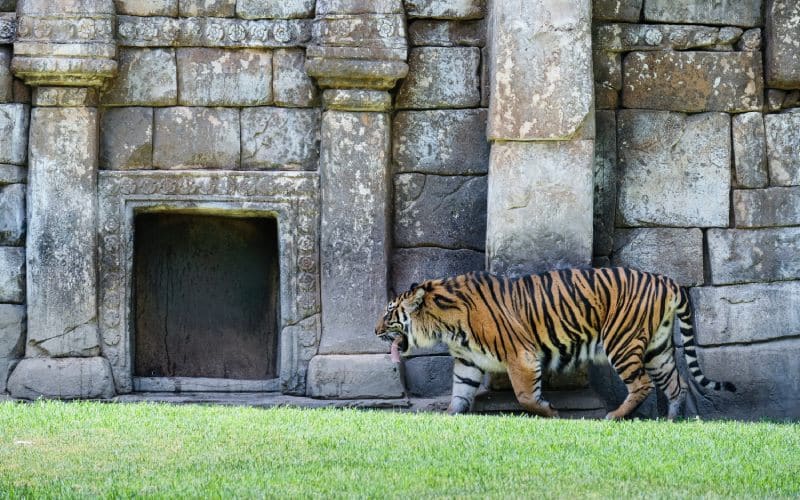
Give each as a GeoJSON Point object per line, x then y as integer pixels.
{"type": "Point", "coordinates": [62, 378]}
{"type": "Point", "coordinates": [354, 376]}
{"type": "Point", "coordinates": [441, 77]}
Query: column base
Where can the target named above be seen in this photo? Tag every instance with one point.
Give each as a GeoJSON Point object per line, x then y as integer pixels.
{"type": "Point", "coordinates": [62, 378]}
{"type": "Point", "coordinates": [354, 376]}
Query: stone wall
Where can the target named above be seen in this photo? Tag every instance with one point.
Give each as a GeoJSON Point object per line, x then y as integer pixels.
{"type": "Point", "coordinates": [696, 177]}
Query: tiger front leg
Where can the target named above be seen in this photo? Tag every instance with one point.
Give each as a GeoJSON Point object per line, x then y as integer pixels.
{"type": "Point", "coordinates": [466, 380]}
{"type": "Point", "coordinates": [526, 377]}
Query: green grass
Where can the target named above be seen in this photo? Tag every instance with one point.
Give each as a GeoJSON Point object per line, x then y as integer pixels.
{"type": "Point", "coordinates": [55, 449]}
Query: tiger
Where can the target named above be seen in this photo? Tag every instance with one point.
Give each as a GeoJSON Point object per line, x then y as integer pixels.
{"type": "Point", "coordinates": [552, 321]}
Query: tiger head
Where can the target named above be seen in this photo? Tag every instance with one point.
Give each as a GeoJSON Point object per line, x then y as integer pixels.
{"type": "Point", "coordinates": [398, 321]}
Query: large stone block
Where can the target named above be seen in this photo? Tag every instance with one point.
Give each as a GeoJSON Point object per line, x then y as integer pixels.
{"type": "Point", "coordinates": [146, 77]}
{"type": "Point", "coordinates": [12, 339]}
{"type": "Point", "coordinates": [709, 81]}
{"type": "Point", "coordinates": [429, 376]}
{"type": "Point", "coordinates": [776, 206]}
{"type": "Point", "coordinates": [441, 77]}
{"type": "Point", "coordinates": [8, 5]}
{"type": "Point", "coordinates": [742, 314]}
{"type": "Point", "coordinates": [415, 265]}
{"type": "Point", "coordinates": [441, 141]}
{"type": "Point", "coordinates": [447, 33]}
{"type": "Point", "coordinates": [126, 138]}
{"type": "Point", "coordinates": [440, 210]}
{"type": "Point", "coordinates": [539, 210]}
{"type": "Point", "coordinates": [220, 77]}
{"type": "Point", "coordinates": [528, 102]}
{"type": "Point", "coordinates": [291, 85]}
{"type": "Point", "coordinates": [765, 375]}
{"type": "Point", "coordinates": [196, 138]}
{"type": "Point", "coordinates": [605, 181]}
{"type": "Point", "coordinates": [747, 255]}
{"type": "Point", "coordinates": [445, 9]}
{"type": "Point", "coordinates": [12, 214]}
{"type": "Point", "coordinates": [282, 9]}
{"type": "Point", "coordinates": [12, 275]}
{"type": "Point", "coordinates": [147, 7]}
{"type": "Point", "coordinates": [675, 169]}
{"type": "Point", "coordinates": [14, 120]}
{"type": "Point", "coordinates": [673, 252]}
{"type": "Point", "coordinates": [354, 376]}
{"type": "Point", "coordinates": [736, 13]}
{"type": "Point", "coordinates": [354, 174]}
{"type": "Point", "coordinates": [617, 10]}
{"type": "Point", "coordinates": [62, 378]}
{"type": "Point", "coordinates": [783, 153]}
{"type": "Point", "coordinates": [749, 150]}
{"type": "Point", "coordinates": [280, 138]}
{"type": "Point", "coordinates": [207, 8]}
{"type": "Point", "coordinates": [6, 77]}
{"type": "Point", "coordinates": [782, 51]}
{"type": "Point", "coordinates": [13, 174]}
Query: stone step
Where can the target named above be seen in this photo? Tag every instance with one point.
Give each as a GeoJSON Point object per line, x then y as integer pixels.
{"type": "Point", "coordinates": [573, 403]}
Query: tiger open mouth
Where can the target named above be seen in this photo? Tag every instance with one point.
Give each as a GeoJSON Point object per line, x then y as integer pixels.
{"type": "Point", "coordinates": [399, 344]}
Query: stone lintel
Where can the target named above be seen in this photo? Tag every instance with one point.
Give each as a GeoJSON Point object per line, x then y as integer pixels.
{"type": "Point", "coordinates": [64, 97]}
{"type": "Point", "coordinates": [356, 100]}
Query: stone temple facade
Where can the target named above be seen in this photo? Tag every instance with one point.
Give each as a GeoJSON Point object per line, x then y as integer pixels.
{"type": "Point", "coordinates": [176, 175]}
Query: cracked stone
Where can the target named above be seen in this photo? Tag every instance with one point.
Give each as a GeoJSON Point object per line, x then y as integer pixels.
{"type": "Point", "coordinates": [280, 139]}
{"type": "Point", "coordinates": [441, 77]}
{"type": "Point", "coordinates": [221, 77]}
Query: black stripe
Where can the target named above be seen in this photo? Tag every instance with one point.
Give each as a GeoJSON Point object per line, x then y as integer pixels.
{"type": "Point", "coordinates": [468, 381]}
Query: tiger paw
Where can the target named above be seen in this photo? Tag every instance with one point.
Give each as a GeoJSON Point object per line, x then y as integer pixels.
{"type": "Point", "coordinates": [458, 405]}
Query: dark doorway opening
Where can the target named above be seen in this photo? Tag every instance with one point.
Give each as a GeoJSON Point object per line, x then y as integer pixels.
{"type": "Point", "coordinates": [206, 296]}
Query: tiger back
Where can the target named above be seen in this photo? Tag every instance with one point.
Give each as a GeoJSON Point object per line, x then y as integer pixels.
{"type": "Point", "coordinates": [552, 321]}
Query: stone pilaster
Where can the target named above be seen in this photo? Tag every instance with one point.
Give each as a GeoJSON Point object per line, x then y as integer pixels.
{"type": "Point", "coordinates": [64, 50]}
{"type": "Point", "coordinates": [358, 53]}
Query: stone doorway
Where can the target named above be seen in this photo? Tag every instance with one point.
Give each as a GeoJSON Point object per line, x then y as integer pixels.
{"type": "Point", "coordinates": [206, 296]}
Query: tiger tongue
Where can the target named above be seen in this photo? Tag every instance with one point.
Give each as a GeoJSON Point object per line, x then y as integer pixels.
{"type": "Point", "coordinates": [395, 352]}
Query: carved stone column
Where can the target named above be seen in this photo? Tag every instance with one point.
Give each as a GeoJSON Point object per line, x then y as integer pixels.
{"type": "Point", "coordinates": [358, 53]}
{"type": "Point", "coordinates": [64, 50]}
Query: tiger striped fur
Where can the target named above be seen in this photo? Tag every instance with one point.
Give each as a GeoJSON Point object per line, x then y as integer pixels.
{"type": "Point", "coordinates": [553, 321]}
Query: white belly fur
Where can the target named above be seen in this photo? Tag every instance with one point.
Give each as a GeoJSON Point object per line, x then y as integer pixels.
{"type": "Point", "coordinates": [485, 362]}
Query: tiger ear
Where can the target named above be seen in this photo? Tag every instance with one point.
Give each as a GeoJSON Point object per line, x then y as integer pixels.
{"type": "Point", "coordinates": [415, 300]}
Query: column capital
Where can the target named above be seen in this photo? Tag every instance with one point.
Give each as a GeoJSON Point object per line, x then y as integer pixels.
{"type": "Point", "coordinates": [65, 43]}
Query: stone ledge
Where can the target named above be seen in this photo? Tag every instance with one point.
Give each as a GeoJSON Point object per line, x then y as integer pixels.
{"type": "Point", "coordinates": [62, 378]}
{"type": "Point", "coordinates": [355, 376]}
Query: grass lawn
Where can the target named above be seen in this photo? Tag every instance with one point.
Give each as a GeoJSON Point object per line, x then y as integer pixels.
{"type": "Point", "coordinates": [77, 449]}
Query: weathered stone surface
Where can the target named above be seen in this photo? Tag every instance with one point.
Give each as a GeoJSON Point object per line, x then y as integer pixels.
{"type": "Point", "coordinates": [279, 138]}
{"type": "Point", "coordinates": [147, 7]}
{"type": "Point", "coordinates": [326, 7]}
{"type": "Point", "coordinates": [62, 378]}
{"type": "Point", "coordinates": [709, 81]}
{"type": "Point", "coordinates": [677, 253]}
{"type": "Point", "coordinates": [775, 99]}
{"type": "Point", "coordinates": [62, 233]}
{"type": "Point", "coordinates": [528, 103]}
{"type": "Point", "coordinates": [12, 275]}
{"type": "Point", "coordinates": [605, 98]}
{"type": "Point", "coordinates": [441, 77]}
{"type": "Point", "coordinates": [765, 375]}
{"type": "Point", "coordinates": [415, 265]}
{"type": "Point", "coordinates": [65, 96]}
{"type": "Point", "coordinates": [746, 313]}
{"type": "Point", "coordinates": [428, 376]}
{"type": "Point", "coordinates": [539, 212]}
{"type": "Point", "coordinates": [747, 255]}
{"type": "Point", "coordinates": [12, 214]}
{"type": "Point", "coordinates": [12, 339]}
{"type": "Point", "coordinates": [13, 133]}
{"type": "Point", "coordinates": [8, 27]}
{"type": "Point", "coordinates": [738, 13]}
{"type": "Point", "coordinates": [605, 181]}
{"type": "Point", "coordinates": [147, 77]}
{"type": "Point", "coordinates": [617, 10]}
{"type": "Point", "coordinates": [775, 206]}
{"type": "Point", "coordinates": [782, 54]}
{"type": "Point", "coordinates": [675, 169]}
{"type": "Point", "coordinates": [354, 376]}
{"type": "Point", "coordinates": [357, 100]}
{"type": "Point", "coordinates": [607, 70]}
{"type": "Point", "coordinates": [283, 9]}
{"type": "Point", "coordinates": [291, 85]}
{"type": "Point", "coordinates": [441, 141]}
{"type": "Point", "coordinates": [354, 173]}
{"type": "Point", "coordinates": [207, 8]}
{"type": "Point", "coordinates": [6, 77]}
{"type": "Point", "coordinates": [434, 33]}
{"type": "Point", "coordinates": [485, 77]}
{"type": "Point", "coordinates": [750, 40]}
{"type": "Point", "coordinates": [8, 5]}
{"type": "Point", "coordinates": [440, 210]}
{"type": "Point", "coordinates": [135, 31]}
{"type": "Point", "coordinates": [625, 37]}
{"type": "Point", "coordinates": [126, 138]}
{"type": "Point", "coordinates": [445, 9]}
{"type": "Point", "coordinates": [196, 138]}
{"type": "Point", "coordinates": [13, 174]}
{"type": "Point", "coordinates": [783, 153]}
{"type": "Point", "coordinates": [22, 92]}
{"type": "Point", "coordinates": [220, 77]}
{"type": "Point", "coordinates": [749, 150]}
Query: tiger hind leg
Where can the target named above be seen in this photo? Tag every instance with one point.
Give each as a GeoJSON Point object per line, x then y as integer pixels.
{"type": "Point", "coordinates": [526, 375]}
{"type": "Point", "coordinates": [466, 380]}
{"type": "Point", "coordinates": [629, 365]}
{"type": "Point", "coordinates": [660, 364]}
